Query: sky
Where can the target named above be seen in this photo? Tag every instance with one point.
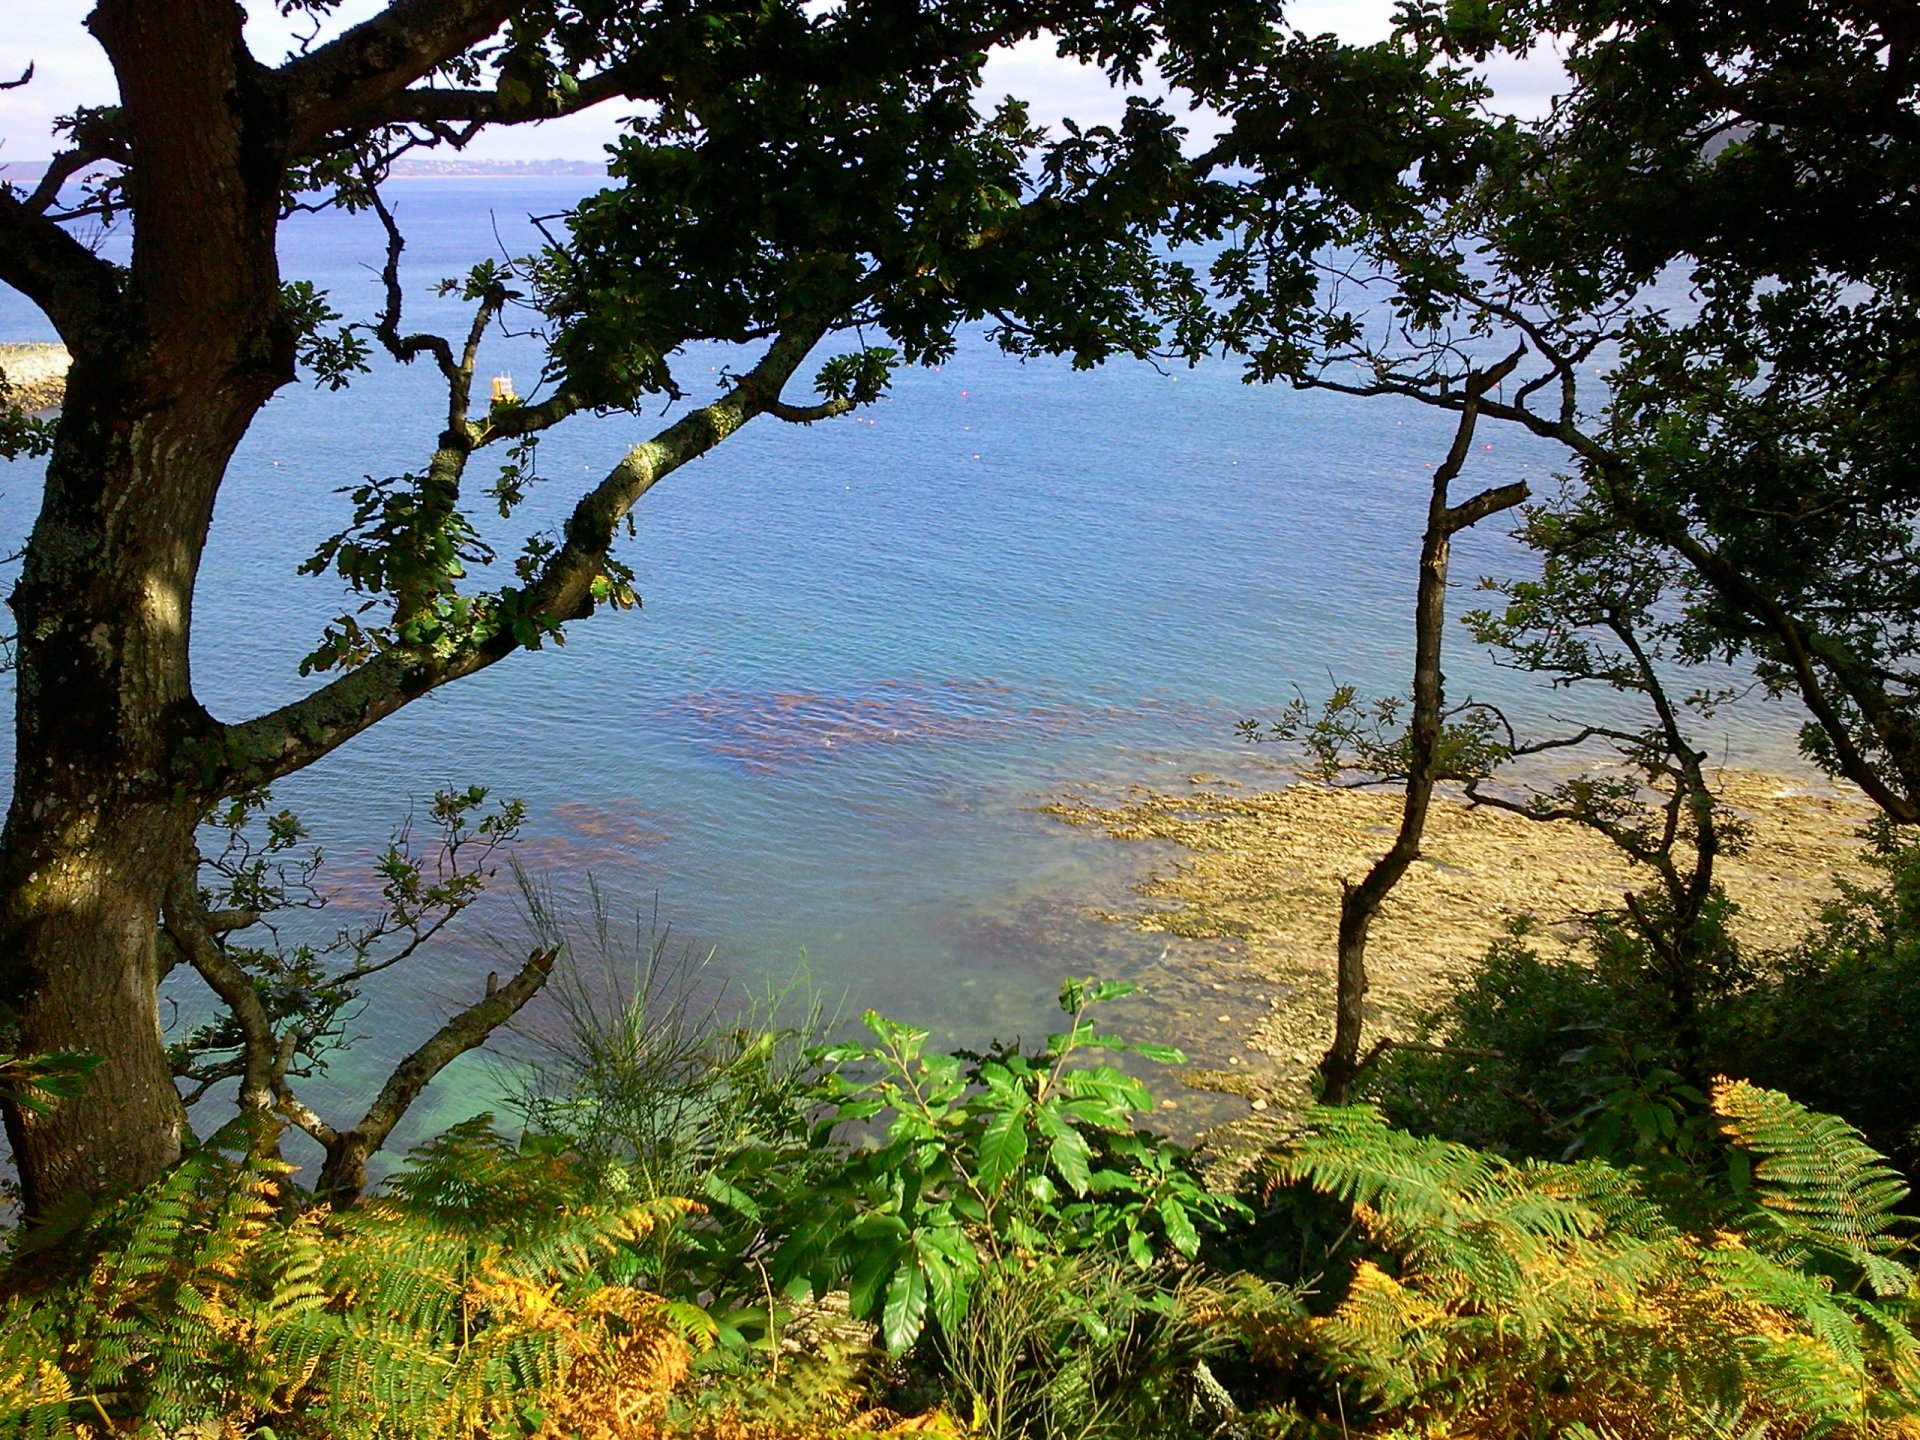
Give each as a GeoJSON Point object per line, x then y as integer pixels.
{"type": "Point", "coordinates": [70, 70]}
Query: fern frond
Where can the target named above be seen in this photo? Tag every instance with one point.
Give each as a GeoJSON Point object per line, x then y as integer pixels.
{"type": "Point", "coordinates": [1820, 1184]}
{"type": "Point", "coordinates": [1526, 1299]}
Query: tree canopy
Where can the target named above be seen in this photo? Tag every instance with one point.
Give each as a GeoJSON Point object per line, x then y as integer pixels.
{"type": "Point", "coordinates": [1758, 162]}
{"type": "Point", "coordinates": [826, 188]}
{"type": "Point", "coordinates": [790, 173]}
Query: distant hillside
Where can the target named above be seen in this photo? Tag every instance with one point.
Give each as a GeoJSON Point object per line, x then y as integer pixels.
{"type": "Point", "coordinates": [408, 167]}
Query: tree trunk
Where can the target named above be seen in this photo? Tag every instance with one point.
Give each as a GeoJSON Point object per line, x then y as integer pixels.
{"type": "Point", "coordinates": [172, 358]}
{"type": "Point", "coordinates": [79, 938]}
{"type": "Point", "coordinates": [102, 813]}
{"type": "Point", "coordinates": [1341, 1066]}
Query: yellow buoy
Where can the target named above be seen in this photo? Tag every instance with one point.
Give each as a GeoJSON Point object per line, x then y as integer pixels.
{"type": "Point", "coordinates": [503, 392]}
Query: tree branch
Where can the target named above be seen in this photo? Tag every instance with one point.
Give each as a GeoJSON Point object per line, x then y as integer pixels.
{"type": "Point", "coordinates": [1816, 676]}
{"type": "Point", "coordinates": [260, 750]}
{"type": "Point", "coordinates": [1488, 502]}
{"type": "Point", "coordinates": [344, 1175]}
{"type": "Point", "coordinates": [71, 285]}
{"type": "Point", "coordinates": [404, 348]}
{"type": "Point", "coordinates": [521, 420]}
{"type": "Point", "coordinates": [474, 108]}
{"type": "Point", "coordinates": [809, 414]}
{"type": "Point", "coordinates": [1378, 1051]}
{"type": "Point", "coordinates": [351, 82]}
{"type": "Point", "coordinates": [1727, 578]}
{"type": "Point", "coordinates": [191, 929]}
{"type": "Point", "coordinates": [62, 168]}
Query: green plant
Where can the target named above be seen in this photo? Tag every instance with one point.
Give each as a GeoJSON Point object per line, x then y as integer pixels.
{"type": "Point", "coordinates": [667, 1087]}
{"type": "Point", "coordinates": [1549, 1057]}
{"type": "Point", "coordinates": [1836, 1020]}
{"type": "Point", "coordinates": [986, 1159]}
{"type": "Point", "coordinates": [1069, 1347]}
{"type": "Point", "coordinates": [1532, 1049]}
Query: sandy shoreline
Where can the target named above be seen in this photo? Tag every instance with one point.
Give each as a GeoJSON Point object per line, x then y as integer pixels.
{"type": "Point", "coordinates": [37, 373]}
{"type": "Point", "coordinates": [1260, 870]}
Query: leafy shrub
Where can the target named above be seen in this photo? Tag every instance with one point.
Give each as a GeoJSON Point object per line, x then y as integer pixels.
{"type": "Point", "coordinates": [1837, 1022]}
{"type": "Point", "coordinates": [1532, 1045]}
{"type": "Point", "coordinates": [984, 1159]}
{"type": "Point", "coordinates": [1003, 1213]}
{"type": "Point", "coordinates": [1564, 1057]}
{"type": "Point", "coordinates": [1035, 1260]}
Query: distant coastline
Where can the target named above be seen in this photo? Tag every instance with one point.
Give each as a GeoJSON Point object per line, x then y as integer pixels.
{"type": "Point", "coordinates": [408, 168]}
{"type": "Point", "coordinates": [28, 172]}
{"type": "Point", "coordinates": [37, 373]}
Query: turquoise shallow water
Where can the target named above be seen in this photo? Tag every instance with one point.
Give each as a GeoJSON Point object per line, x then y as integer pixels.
{"type": "Point", "coordinates": [868, 648]}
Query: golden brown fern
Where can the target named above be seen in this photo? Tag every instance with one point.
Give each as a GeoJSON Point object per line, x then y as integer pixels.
{"type": "Point", "coordinates": [207, 1309]}
{"type": "Point", "coordinates": [1532, 1299]}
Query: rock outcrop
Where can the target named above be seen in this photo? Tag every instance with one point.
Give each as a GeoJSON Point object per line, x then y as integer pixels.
{"type": "Point", "coordinates": [36, 373]}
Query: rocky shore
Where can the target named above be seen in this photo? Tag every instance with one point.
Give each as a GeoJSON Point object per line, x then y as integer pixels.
{"type": "Point", "coordinates": [36, 373]}
{"type": "Point", "coordinates": [1260, 870]}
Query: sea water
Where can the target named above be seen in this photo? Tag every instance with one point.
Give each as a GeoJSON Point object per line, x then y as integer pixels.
{"type": "Point", "coordinates": [868, 650]}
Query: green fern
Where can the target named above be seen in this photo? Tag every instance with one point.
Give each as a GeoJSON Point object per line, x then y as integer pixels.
{"type": "Point", "coordinates": [1822, 1191]}
{"type": "Point", "coordinates": [1826, 1249]}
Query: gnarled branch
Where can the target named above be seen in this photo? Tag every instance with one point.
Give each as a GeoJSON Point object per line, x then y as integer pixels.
{"type": "Point", "coordinates": [191, 929]}
{"type": "Point", "coordinates": [73, 287]}
{"type": "Point", "coordinates": [344, 1175]}
{"type": "Point", "coordinates": [352, 82]}
{"type": "Point", "coordinates": [475, 108]}
{"type": "Point", "coordinates": [260, 750]}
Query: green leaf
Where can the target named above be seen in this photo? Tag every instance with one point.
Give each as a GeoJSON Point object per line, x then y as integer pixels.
{"type": "Point", "coordinates": [1739, 1172]}
{"type": "Point", "coordinates": [865, 1285]}
{"type": "Point", "coordinates": [951, 1265]}
{"type": "Point", "coordinates": [906, 1039]}
{"type": "Point", "coordinates": [1140, 1249]}
{"type": "Point", "coordinates": [905, 1314]}
{"type": "Point", "coordinates": [1072, 1161]}
{"type": "Point", "coordinates": [1179, 1226]}
{"type": "Point", "coordinates": [723, 1192]}
{"type": "Point", "coordinates": [1003, 1146]}
{"type": "Point", "coordinates": [692, 1321]}
{"type": "Point", "coordinates": [881, 1258]}
{"type": "Point", "coordinates": [1163, 1054]}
